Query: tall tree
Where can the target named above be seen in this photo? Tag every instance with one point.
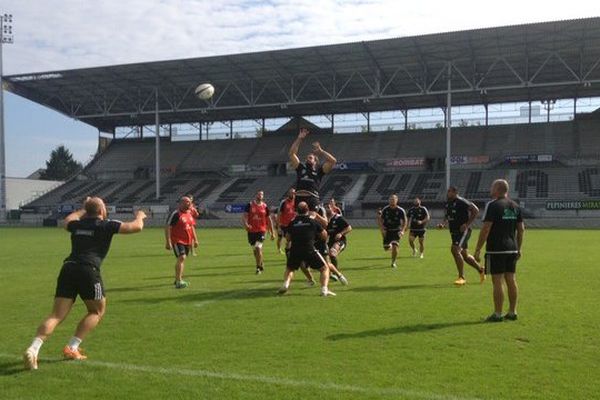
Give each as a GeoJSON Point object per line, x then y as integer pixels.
{"type": "Point", "coordinates": [61, 165]}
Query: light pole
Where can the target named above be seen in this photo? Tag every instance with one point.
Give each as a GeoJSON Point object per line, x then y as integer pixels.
{"type": "Point", "coordinates": [6, 37]}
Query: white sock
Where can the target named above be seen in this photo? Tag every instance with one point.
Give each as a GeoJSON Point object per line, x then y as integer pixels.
{"type": "Point", "coordinates": [286, 285]}
{"type": "Point", "coordinates": [36, 345]}
{"type": "Point", "coordinates": [74, 343]}
{"type": "Point", "coordinates": [324, 289]}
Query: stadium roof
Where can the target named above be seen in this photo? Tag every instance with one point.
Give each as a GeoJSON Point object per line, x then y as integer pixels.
{"type": "Point", "coordinates": [550, 60]}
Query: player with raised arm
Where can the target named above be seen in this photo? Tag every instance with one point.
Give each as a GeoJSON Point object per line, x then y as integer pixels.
{"type": "Point", "coordinates": [502, 233]}
{"type": "Point", "coordinates": [91, 236]}
{"type": "Point", "coordinates": [302, 233]}
{"type": "Point", "coordinates": [460, 214]}
{"type": "Point", "coordinates": [180, 236]}
{"type": "Point", "coordinates": [257, 222]}
{"type": "Point", "coordinates": [309, 174]}
{"type": "Point", "coordinates": [418, 217]}
{"type": "Point", "coordinates": [392, 224]}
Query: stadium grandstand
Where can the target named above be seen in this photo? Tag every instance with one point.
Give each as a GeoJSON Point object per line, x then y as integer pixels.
{"type": "Point", "coordinates": [407, 116]}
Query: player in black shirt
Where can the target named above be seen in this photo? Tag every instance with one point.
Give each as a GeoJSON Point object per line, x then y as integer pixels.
{"type": "Point", "coordinates": [392, 223]}
{"type": "Point", "coordinates": [309, 174]}
{"type": "Point", "coordinates": [502, 232]}
{"type": "Point", "coordinates": [91, 235]}
{"type": "Point", "coordinates": [337, 230]}
{"type": "Point", "coordinates": [460, 214]}
{"type": "Point", "coordinates": [418, 217]}
{"type": "Point", "coordinates": [301, 234]}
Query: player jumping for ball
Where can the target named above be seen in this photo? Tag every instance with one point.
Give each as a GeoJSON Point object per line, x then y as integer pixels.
{"type": "Point", "coordinates": [91, 235]}
{"type": "Point", "coordinates": [256, 220]}
{"type": "Point", "coordinates": [392, 224]}
{"type": "Point", "coordinates": [309, 174]}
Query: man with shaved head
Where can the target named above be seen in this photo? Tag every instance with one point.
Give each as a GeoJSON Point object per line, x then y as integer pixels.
{"type": "Point", "coordinates": [502, 233]}
{"type": "Point", "coordinates": [91, 235]}
{"type": "Point", "coordinates": [180, 236]}
{"type": "Point", "coordinates": [302, 233]}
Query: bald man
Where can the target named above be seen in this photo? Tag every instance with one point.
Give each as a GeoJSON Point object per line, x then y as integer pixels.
{"type": "Point", "coordinates": [502, 233]}
{"type": "Point", "coordinates": [91, 235]}
{"type": "Point", "coordinates": [302, 233]}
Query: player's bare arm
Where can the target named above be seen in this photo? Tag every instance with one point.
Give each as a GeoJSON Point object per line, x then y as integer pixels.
{"type": "Point", "coordinates": [293, 153]}
{"type": "Point", "coordinates": [344, 232]}
{"type": "Point", "coordinates": [330, 160]}
{"type": "Point", "coordinates": [134, 226]}
{"type": "Point", "coordinates": [473, 213]}
{"type": "Point", "coordinates": [245, 221]}
{"type": "Point", "coordinates": [483, 235]}
{"type": "Point", "coordinates": [520, 233]}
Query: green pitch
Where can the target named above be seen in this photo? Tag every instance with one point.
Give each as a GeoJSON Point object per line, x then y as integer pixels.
{"type": "Point", "coordinates": [397, 334]}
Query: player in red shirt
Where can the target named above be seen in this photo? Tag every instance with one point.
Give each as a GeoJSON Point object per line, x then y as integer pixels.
{"type": "Point", "coordinates": [180, 236]}
{"type": "Point", "coordinates": [256, 220]}
{"type": "Point", "coordinates": [285, 215]}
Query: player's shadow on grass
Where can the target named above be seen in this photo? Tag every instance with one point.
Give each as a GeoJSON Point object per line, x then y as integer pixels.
{"type": "Point", "coordinates": [137, 288]}
{"type": "Point", "coordinates": [9, 368]}
{"type": "Point", "coordinates": [398, 287]}
{"type": "Point", "coordinates": [399, 330]}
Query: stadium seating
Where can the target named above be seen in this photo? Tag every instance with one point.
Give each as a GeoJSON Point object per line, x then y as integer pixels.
{"type": "Point", "coordinates": [124, 173]}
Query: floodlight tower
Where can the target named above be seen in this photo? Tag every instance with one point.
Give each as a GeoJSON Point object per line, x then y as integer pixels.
{"type": "Point", "coordinates": [6, 37]}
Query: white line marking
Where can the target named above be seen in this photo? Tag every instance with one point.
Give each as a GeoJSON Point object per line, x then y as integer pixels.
{"type": "Point", "coordinates": [272, 380]}
{"type": "Point", "coordinates": [232, 295]}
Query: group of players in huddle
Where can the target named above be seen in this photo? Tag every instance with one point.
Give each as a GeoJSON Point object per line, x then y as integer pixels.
{"type": "Point", "coordinates": [315, 236]}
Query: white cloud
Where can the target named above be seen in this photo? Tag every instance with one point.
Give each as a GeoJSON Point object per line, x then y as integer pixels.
{"type": "Point", "coordinates": [64, 34]}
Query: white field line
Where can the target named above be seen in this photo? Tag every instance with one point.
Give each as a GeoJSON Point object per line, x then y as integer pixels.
{"type": "Point", "coordinates": [232, 295]}
{"type": "Point", "coordinates": [271, 380]}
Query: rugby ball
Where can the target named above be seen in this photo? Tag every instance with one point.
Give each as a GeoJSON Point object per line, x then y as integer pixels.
{"type": "Point", "coordinates": [204, 91]}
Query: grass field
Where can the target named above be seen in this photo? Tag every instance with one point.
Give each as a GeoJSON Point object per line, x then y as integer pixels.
{"type": "Point", "coordinates": [398, 334]}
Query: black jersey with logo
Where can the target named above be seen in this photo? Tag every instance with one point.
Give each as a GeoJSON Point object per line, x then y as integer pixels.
{"type": "Point", "coordinates": [504, 214]}
{"type": "Point", "coordinates": [416, 214]}
{"type": "Point", "coordinates": [393, 218]}
{"type": "Point", "coordinates": [309, 179]}
{"type": "Point", "coordinates": [303, 231]}
{"type": "Point", "coordinates": [336, 225]}
{"type": "Point", "coordinates": [457, 213]}
{"type": "Point", "coordinates": [90, 240]}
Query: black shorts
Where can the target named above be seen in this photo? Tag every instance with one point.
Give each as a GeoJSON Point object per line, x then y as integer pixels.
{"type": "Point", "coordinates": [420, 233]}
{"type": "Point", "coordinates": [312, 201]}
{"type": "Point", "coordinates": [340, 243]}
{"type": "Point", "coordinates": [181, 249]}
{"type": "Point", "coordinates": [322, 247]}
{"type": "Point", "coordinates": [310, 258]}
{"type": "Point", "coordinates": [79, 279]}
{"type": "Point", "coordinates": [392, 237]}
{"type": "Point", "coordinates": [256, 237]}
{"type": "Point", "coordinates": [461, 239]}
{"type": "Point", "coordinates": [500, 263]}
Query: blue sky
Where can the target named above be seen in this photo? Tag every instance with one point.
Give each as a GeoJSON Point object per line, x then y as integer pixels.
{"type": "Point", "coordinates": [64, 34]}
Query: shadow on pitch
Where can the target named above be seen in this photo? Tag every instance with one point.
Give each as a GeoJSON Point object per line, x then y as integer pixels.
{"type": "Point", "coordinates": [399, 330]}
{"type": "Point", "coordinates": [200, 297]}
{"type": "Point", "coordinates": [9, 368]}
{"type": "Point", "coordinates": [137, 288]}
{"type": "Point", "coordinates": [398, 287]}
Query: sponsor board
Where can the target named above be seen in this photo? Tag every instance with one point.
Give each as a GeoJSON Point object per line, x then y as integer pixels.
{"type": "Point", "coordinates": [235, 208]}
{"type": "Point", "coordinates": [573, 205]}
{"type": "Point", "coordinates": [406, 162]}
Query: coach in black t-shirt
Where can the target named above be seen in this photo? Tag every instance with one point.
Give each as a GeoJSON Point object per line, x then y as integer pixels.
{"type": "Point", "coordinates": [91, 235]}
{"type": "Point", "coordinates": [502, 232]}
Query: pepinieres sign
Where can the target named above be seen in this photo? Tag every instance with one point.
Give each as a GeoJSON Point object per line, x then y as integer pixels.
{"type": "Point", "coordinates": [573, 205]}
